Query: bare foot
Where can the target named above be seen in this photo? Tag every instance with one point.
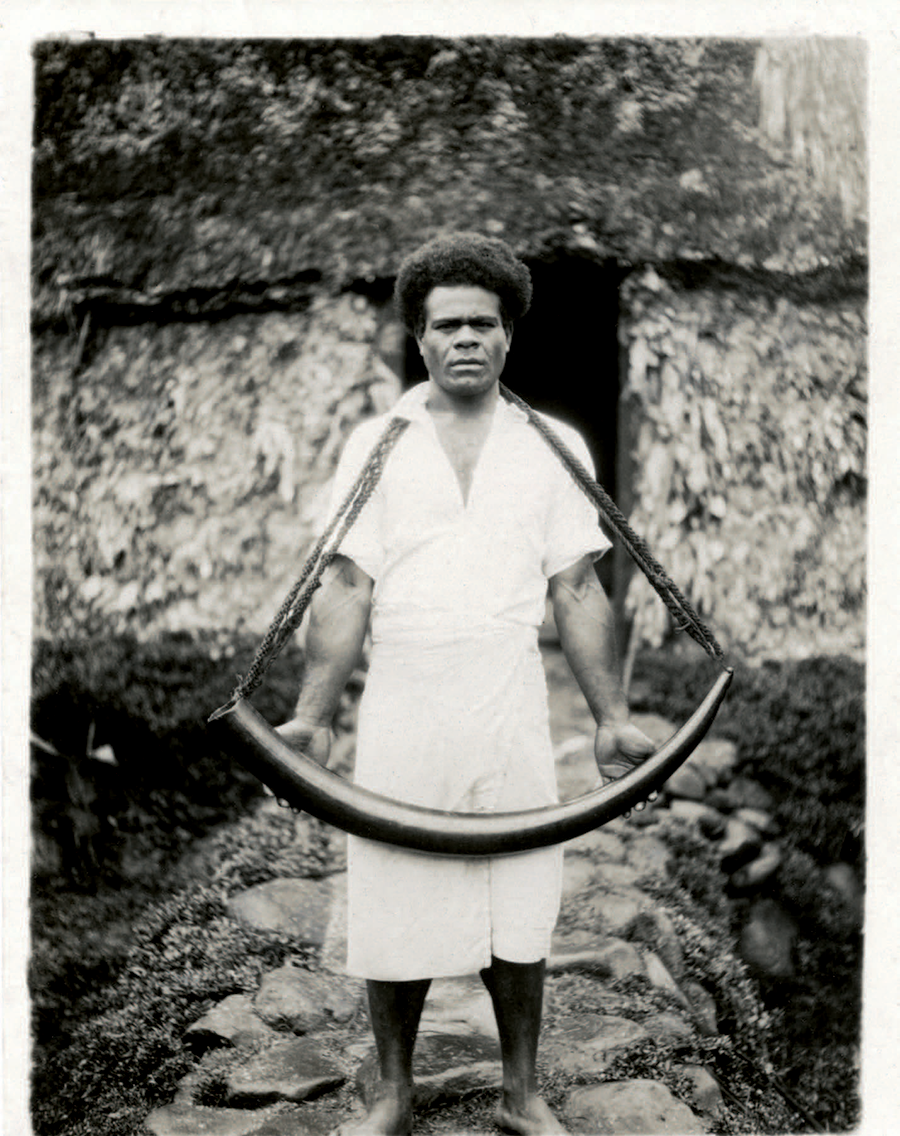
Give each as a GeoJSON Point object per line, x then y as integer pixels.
{"type": "Point", "coordinates": [534, 1118]}
{"type": "Point", "coordinates": [389, 1116]}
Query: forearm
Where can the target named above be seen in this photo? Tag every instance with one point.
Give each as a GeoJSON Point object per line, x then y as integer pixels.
{"type": "Point", "coordinates": [339, 617]}
{"type": "Point", "coordinates": [586, 625]}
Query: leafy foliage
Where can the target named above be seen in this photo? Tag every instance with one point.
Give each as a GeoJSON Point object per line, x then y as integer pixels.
{"type": "Point", "coordinates": [180, 163]}
{"type": "Point", "coordinates": [799, 728]}
{"type": "Point", "coordinates": [149, 702]}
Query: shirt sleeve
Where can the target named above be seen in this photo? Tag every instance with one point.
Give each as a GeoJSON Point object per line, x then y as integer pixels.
{"type": "Point", "coordinates": [573, 526]}
{"type": "Point", "coordinates": [362, 543]}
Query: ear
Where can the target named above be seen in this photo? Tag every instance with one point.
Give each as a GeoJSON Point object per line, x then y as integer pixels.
{"type": "Point", "coordinates": [509, 330]}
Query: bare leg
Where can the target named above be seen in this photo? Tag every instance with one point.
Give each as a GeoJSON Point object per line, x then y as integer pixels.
{"type": "Point", "coordinates": [395, 1009]}
{"type": "Point", "coordinates": [517, 991]}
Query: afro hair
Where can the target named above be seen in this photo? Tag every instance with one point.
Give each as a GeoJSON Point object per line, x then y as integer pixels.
{"type": "Point", "coordinates": [462, 258]}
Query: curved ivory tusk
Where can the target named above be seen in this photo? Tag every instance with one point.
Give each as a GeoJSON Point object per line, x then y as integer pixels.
{"type": "Point", "coordinates": [307, 786]}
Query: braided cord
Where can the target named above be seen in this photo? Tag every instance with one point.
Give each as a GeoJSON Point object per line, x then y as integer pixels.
{"type": "Point", "coordinates": [292, 610]}
{"type": "Point", "coordinates": [680, 608]}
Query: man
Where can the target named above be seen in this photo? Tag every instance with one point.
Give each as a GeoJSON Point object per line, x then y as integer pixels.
{"type": "Point", "coordinates": [473, 518]}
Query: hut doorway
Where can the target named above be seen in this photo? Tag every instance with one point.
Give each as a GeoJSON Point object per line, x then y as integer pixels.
{"type": "Point", "coordinates": [564, 358]}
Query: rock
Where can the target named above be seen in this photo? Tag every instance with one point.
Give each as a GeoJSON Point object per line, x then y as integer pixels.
{"type": "Point", "coordinates": [767, 940]}
{"type": "Point", "coordinates": [710, 822]}
{"type": "Point", "coordinates": [738, 846]}
{"type": "Point", "coordinates": [621, 1107]}
{"type": "Point", "coordinates": [296, 1000]}
{"type": "Point", "coordinates": [232, 1022]}
{"type": "Point", "coordinates": [703, 1004]}
{"type": "Point", "coordinates": [459, 1005]}
{"type": "Point", "coordinates": [648, 855]}
{"type": "Point", "coordinates": [615, 959]}
{"type": "Point", "coordinates": [644, 818]}
{"type": "Point", "coordinates": [660, 977]}
{"type": "Point", "coordinates": [747, 794]}
{"type": "Point", "coordinates": [762, 821]}
{"type": "Point", "coordinates": [668, 1027]}
{"type": "Point", "coordinates": [718, 758]}
{"type": "Point", "coordinates": [603, 1038]}
{"type": "Point", "coordinates": [292, 1070]}
{"type": "Point", "coordinates": [295, 907]}
{"type": "Point", "coordinates": [599, 844]}
{"type": "Point", "coordinates": [687, 784]}
{"type": "Point", "coordinates": [759, 870]}
{"type": "Point", "coordinates": [578, 873]}
{"type": "Point", "coordinates": [846, 883]}
{"type": "Point", "coordinates": [705, 1092]}
{"type": "Point", "coordinates": [656, 929]}
{"type": "Point", "coordinates": [599, 913]}
{"type": "Point", "coordinates": [194, 1120]}
{"type": "Point", "coordinates": [445, 1066]}
{"type": "Point", "coordinates": [615, 875]}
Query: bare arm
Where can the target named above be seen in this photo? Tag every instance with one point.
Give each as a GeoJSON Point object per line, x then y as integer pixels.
{"type": "Point", "coordinates": [339, 617]}
{"type": "Point", "coordinates": [584, 619]}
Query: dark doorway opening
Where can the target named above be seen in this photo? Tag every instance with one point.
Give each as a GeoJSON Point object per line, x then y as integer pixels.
{"type": "Point", "coordinates": [564, 358]}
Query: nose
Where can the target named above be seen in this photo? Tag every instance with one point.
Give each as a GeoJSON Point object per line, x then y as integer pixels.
{"type": "Point", "coordinates": [465, 335]}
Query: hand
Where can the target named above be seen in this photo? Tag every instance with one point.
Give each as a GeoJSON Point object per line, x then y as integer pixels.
{"type": "Point", "coordinates": [311, 739]}
{"type": "Point", "coordinates": [620, 747]}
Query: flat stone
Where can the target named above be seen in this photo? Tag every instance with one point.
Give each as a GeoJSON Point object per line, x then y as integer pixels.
{"type": "Point", "coordinates": [705, 1092]}
{"type": "Point", "coordinates": [686, 783]}
{"type": "Point", "coordinates": [195, 1120]}
{"type": "Point", "coordinates": [655, 928]}
{"type": "Point", "coordinates": [660, 977]}
{"type": "Point", "coordinates": [755, 873]}
{"type": "Point", "coordinates": [667, 1026]}
{"type": "Point", "coordinates": [763, 822]}
{"type": "Point", "coordinates": [445, 1066]}
{"type": "Point", "coordinates": [599, 844]}
{"type": "Point", "coordinates": [648, 855]}
{"type": "Point", "coordinates": [459, 1005]}
{"type": "Point", "coordinates": [616, 875]}
{"type": "Point", "coordinates": [297, 1000]}
{"type": "Point", "coordinates": [297, 907]}
{"type": "Point", "coordinates": [717, 756]}
{"type": "Point", "coordinates": [578, 873]}
{"type": "Point", "coordinates": [738, 846]}
{"type": "Point", "coordinates": [608, 912]}
{"type": "Point", "coordinates": [640, 1107]}
{"type": "Point", "coordinates": [767, 940]}
{"type": "Point", "coordinates": [747, 794]}
{"type": "Point", "coordinates": [708, 820]}
{"type": "Point", "coordinates": [612, 1037]}
{"type": "Point", "coordinates": [232, 1022]}
{"type": "Point", "coordinates": [292, 1070]}
{"type": "Point", "coordinates": [615, 959]}
{"type": "Point", "coordinates": [843, 878]}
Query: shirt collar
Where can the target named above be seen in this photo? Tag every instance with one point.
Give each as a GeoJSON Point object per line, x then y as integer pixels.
{"type": "Point", "coordinates": [411, 406]}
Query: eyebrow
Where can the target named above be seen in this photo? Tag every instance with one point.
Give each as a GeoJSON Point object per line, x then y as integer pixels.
{"type": "Point", "coordinates": [443, 321]}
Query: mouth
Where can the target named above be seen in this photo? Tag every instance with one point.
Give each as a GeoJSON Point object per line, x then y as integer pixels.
{"type": "Point", "coordinates": [466, 363]}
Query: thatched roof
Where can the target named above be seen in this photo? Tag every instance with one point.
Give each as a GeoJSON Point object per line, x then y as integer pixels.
{"type": "Point", "coordinates": [193, 171]}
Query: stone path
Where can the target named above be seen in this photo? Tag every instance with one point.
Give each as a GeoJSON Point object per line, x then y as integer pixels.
{"type": "Point", "coordinates": [298, 1057]}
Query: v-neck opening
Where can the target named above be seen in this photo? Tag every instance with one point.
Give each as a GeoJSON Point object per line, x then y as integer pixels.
{"type": "Point", "coordinates": [465, 499]}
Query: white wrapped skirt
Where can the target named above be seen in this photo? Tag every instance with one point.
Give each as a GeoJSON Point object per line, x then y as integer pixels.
{"type": "Point", "coordinates": [454, 719]}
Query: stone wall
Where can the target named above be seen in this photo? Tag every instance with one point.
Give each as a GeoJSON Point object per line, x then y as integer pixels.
{"type": "Point", "coordinates": [743, 443]}
{"type": "Point", "coordinates": [180, 475]}
{"type": "Point", "coordinates": [182, 470]}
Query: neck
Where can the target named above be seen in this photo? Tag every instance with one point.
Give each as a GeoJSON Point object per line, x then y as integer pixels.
{"type": "Point", "coordinates": [438, 401]}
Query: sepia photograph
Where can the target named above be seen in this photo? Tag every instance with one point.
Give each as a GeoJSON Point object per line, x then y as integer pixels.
{"type": "Point", "coordinates": [445, 636]}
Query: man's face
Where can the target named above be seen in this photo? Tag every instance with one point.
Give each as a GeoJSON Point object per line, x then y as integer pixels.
{"type": "Point", "coordinates": [464, 343]}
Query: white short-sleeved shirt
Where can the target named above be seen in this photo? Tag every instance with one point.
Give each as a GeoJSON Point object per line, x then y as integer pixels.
{"type": "Point", "coordinates": [438, 560]}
